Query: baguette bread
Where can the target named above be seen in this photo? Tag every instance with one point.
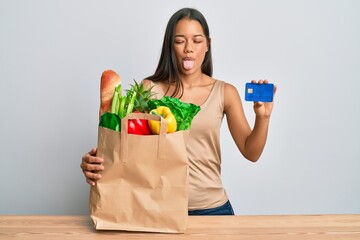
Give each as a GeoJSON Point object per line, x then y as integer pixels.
{"type": "Point", "coordinates": [109, 80]}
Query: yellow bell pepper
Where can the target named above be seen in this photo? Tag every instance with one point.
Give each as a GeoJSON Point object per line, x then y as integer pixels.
{"type": "Point", "coordinates": [165, 112]}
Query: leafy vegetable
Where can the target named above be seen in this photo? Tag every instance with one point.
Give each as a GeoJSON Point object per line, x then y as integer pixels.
{"type": "Point", "coordinates": [110, 120]}
{"type": "Point", "coordinates": [183, 112]}
{"type": "Point", "coordinates": [130, 97]}
{"type": "Point", "coordinates": [123, 105]}
{"type": "Point", "coordinates": [135, 99]}
{"type": "Point", "coordinates": [115, 104]}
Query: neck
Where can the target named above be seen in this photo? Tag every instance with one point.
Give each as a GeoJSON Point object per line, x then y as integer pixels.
{"type": "Point", "coordinates": [192, 79]}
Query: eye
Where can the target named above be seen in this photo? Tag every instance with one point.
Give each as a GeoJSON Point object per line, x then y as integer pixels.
{"type": "Point", "coordinates": [179, 41]}
{"type": "Point", "coordinates": [198, 40]}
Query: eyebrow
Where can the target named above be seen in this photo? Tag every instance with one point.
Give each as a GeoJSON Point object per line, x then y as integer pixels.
{"type": "Point", "coordinates": [197, 35]}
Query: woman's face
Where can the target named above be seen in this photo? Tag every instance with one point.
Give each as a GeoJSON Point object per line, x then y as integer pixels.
{"type": "Point", "coordinates": [190, 46]}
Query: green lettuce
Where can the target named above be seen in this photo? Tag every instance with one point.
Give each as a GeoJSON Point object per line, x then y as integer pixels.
{"type": "Point", "coordinates": [183, 112]}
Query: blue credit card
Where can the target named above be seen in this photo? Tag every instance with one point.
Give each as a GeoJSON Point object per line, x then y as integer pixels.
{"type": "Point", "coordinates": [259, 92]}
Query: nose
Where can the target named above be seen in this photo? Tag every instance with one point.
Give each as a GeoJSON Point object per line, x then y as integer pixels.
{"type": "Point", "coordinates": [188, 48]}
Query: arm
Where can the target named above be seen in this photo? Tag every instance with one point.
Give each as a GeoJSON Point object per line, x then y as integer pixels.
{"type": "Point", "coordinates": [250, 142]}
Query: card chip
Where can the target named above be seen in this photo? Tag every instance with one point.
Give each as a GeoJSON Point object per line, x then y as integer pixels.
{"type": "Point", "coordinates": [259, 92]}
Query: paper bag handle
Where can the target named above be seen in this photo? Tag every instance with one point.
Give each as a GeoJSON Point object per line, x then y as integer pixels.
{"type": "Point", "coordinates": [124, 133]}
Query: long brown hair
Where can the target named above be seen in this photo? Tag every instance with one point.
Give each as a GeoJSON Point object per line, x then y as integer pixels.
{"type": "Point", "coordinates": [167, 69]}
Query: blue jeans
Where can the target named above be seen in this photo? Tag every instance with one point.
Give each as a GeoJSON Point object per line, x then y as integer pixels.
{"type": "Point", "coordinates": [225, 209]}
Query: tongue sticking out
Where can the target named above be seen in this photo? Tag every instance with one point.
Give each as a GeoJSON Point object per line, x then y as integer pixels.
{"type": "Point", "coordinates": [188, 64]}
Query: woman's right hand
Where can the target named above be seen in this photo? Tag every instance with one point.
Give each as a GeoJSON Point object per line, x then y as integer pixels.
{"type": "Point", "coordinates": [91, 165]}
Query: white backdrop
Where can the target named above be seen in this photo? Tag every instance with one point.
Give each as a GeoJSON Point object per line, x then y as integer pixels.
{"type": "Point", "coordinates": [52, 54]}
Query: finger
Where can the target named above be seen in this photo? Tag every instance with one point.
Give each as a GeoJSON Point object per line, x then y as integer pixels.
{"type": "Point", "coordinates": [90, 154]}
{"type": "Point", "coordinates": [90, 182]}
{"type": "Point", "coordinates": [92, 175]}
{"type": "Point", "coordinates": [91, 159]}
{"type": "Point", "coordinates": [95, 160]}
{"type": "Point", "coordinates": [91, 167]}
{"type": "Point", "coordinates": [266, 81]}
{"type": "Point", "coordinates": [260, 81]}
{"type": "Point", "coordinates": [93, 151]}
{"type": "Point", "coordinates": [253, 81]}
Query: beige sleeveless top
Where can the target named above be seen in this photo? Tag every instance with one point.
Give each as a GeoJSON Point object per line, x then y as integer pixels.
{"type": "Point", "coordinates": [203, 148]}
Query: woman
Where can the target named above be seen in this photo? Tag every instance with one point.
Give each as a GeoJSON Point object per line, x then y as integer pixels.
{"type": "Point", "coordinates": [185, 72]}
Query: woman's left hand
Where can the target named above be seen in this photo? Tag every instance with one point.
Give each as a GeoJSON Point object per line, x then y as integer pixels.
{"type": "Point", "coordinates": [263, 109]}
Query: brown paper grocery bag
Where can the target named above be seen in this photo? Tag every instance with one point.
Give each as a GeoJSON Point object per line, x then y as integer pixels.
{"type": "Point", "coordinates": [144, 186]}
